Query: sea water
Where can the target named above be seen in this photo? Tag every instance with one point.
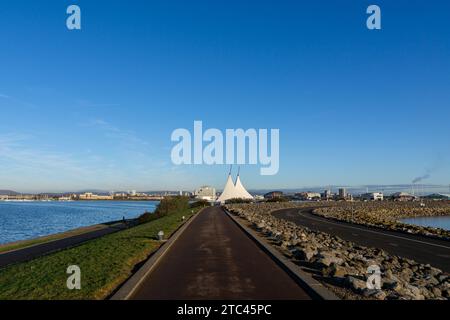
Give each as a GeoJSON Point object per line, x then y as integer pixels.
{"type": "Point", "coordinates": [442, 222]}
{"type": "Point", "coordinates": [27, 220]}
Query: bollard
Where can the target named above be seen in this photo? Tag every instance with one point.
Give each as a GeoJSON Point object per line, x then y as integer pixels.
{"type": "Point", "coordinates": [183, 218]}
{"type": "Point", "coordinates": [161, 235]}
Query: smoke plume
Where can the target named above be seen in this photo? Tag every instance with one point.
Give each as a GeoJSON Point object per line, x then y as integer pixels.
{"type": "Point", "coordinates": [418, 179]}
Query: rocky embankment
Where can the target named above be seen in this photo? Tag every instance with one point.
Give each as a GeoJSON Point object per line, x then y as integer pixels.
{"type": "Point", "coordinates": [386, 215]}
{"type": "Point", "coordinates": [343, 265]}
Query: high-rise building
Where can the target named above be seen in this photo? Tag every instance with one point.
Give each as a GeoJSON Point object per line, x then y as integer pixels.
{"type": "Point", "coordinates": [327, 194]}
{"type": "Point", "coordinates": [342, 193]}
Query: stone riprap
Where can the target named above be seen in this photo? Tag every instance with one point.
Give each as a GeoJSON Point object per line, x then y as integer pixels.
{"type": "Point", "coordinates": [386, 215]}
{"type": "Point", "coordinates": [341, 264]}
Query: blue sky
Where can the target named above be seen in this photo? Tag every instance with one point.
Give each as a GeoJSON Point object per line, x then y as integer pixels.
{"type": "Point", "coordinates": [95, 108]}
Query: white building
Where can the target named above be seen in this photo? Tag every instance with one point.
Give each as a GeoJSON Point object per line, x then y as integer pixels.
{"type": "Point", "coordinates": [372, 196]}
{"type": "Point", "coordinates": [206, 193]}
{"type": "Point", "coordinates": [309, 195]}
{"type": "Point", "coordinates": [402, 196]}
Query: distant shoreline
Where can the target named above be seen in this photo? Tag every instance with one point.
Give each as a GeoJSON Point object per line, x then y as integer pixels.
{"type": "Point", "coordinates": [81, 200]}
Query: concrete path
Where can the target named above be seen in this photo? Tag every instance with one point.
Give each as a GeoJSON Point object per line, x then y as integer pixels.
{"type": "Point", "coordinates": [419, 248]}
{"type": "Point", "coordinates": [36, 251]}
{"type": "Point", "coordinates": [214, 259]}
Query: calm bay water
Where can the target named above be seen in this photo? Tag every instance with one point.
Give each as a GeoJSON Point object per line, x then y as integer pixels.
{"type": "Point", "coordinates": [435, 222]}
{"type": "Point", "coordinates": [27, 220]}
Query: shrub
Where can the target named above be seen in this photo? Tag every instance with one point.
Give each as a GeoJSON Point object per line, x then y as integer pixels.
{"type": "Point", "coordinates": [167, 206]}
{"type": "Point", "coordinates": [147, 217]}
{"type": "Point", "coordinates": [200, 203]}
{"type": "Point", "coordinates": [172, 204]}
{"type": "Point", "coordinates": [238, 200]}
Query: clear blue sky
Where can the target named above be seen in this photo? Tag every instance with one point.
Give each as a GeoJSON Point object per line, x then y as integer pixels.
{"type": "Point", "coordinates": [95, 108]}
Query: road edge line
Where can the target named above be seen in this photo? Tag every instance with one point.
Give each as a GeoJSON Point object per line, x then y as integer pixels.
{"type": "Point", "coordinates": [306, 281]}
{"type": "Point", "coordinates": [132, 284]}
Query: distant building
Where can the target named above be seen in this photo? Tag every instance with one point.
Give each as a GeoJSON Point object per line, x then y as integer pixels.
{"type": "Point", "coordinates": [308, 195]}
{"type": "Point", "coordinates": [342, 193]}
{"type": "Point", "coordinates": [402, 196]}
{"type": "Point", "coordinates": [273, 195]}
{"type": "Point", "coordinates": [91, 196]}
{"type": "Point", "coordinates": [205, 193]}
{"type": "Point", "coordinates": [435, 196]}
{"type": "Point", "coordinates": [120, 195]}
{"type": "Point", "coordinates": [327, 195]}
{"type": "Point", "coordinates": [372, 196]}
{"type": "Point", "coordinates": [65, 198]}
{"type": "Point", "coordinates": [20, 197]}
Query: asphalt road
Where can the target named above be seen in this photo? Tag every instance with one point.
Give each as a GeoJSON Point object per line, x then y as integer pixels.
{"type": "Point", "coordinates": [419, 248]}
{"type": "Point", "coordinates": [214, 259]}
{"type": "Point", "coordinates": [33, 252]}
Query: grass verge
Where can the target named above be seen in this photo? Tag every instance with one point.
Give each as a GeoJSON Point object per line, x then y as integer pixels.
{"type": "Point", "coordinates": [58, 236]}
{"type": "Point", "coordinates": [105, 263]}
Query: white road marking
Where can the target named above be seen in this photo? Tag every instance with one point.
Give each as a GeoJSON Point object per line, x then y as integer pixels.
{"type": "Point", "coordinates": [393, 244]}
{"type": "Point", "coordinates": [376, 232]}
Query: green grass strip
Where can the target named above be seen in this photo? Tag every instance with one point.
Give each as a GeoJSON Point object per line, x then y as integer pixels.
{"type": "Point", "coordinates": [105, 263]}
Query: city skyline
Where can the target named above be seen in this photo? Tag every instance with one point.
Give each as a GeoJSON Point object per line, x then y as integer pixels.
{"type": "Point", "coordinates": [417, 189]}
{"type": "Point", "coordinates": [95, 108]}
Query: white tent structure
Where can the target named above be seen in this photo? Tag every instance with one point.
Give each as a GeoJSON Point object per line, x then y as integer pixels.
{"type": "Point", "coordinates": [234, 190]}
{"type": "Point", "coordinates": [240, 190]}
{"type": "Point", "coordinates": [228, 190]}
